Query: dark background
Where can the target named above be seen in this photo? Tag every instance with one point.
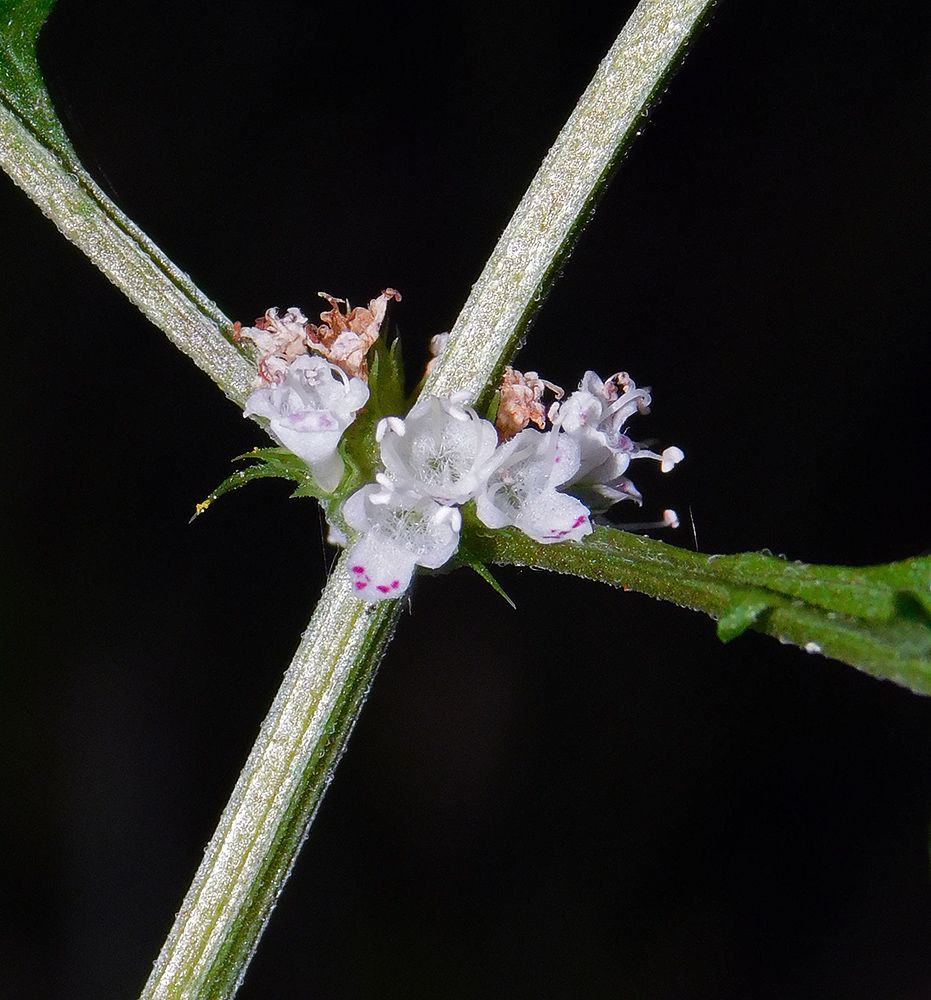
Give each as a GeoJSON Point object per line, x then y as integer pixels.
{"type": "Point", "coordinates": [590, 796]}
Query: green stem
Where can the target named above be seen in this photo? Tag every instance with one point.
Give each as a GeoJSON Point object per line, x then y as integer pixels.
{"type": "Point", "coordinates": [286, 774]}
{"type": "Point", "coordinates": [262, 828]}
{"type": "Point", "coordinates": [876, 618]}
{"type": "Point", "coordinates": [562, 195]}
{"type": "Point", "coordinates": [45, 168]}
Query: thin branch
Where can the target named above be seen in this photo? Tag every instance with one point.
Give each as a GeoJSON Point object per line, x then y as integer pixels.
{"type": "Point", "coordinates": [288, 770]}
{"type": "Point", "coordinates": [561, 197]}
{"type": "Point", "coordinates": [68, 196]}
{"type": "Point", "coordinates": [267, 818]}
{"type": "Point", "coordinates": [876, 618]}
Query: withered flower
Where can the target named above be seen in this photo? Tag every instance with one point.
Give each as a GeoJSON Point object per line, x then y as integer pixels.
{"type": "Point", "coordinates": [519, 405]}
{"type": "Point", "coordinates": [281, 339]}
{"type": "Point", "coordinates": [345, 337]}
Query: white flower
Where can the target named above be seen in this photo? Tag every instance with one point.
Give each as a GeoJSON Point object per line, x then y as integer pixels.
{"type": "Point", "coordinates": [439, 449]}
{"type": "Point", "coordinates": [595, 416]}
{"type": "Point", "coordinates": [400, 529]}
{"type": "Point", "coordinates": [521, 488]}
{"type": "Point", "coordinates": [309, 410]}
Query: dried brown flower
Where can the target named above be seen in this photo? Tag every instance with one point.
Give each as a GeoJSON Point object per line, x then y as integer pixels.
{"type": "Point", "coordinates": [345, 338]}
{"type": "Point", "coordinates": [281, 339]}
{"type": "Point", "coordinates": [519, 404]}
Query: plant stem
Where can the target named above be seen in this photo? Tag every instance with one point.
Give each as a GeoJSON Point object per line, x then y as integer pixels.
{"type": "Point", "coordinates": [287, 772]}
{"type": "Point", "coordinates": [876, 618]}
{"type": "Point", "coordinates": [561, 197]}
{"type": "Point", "coordinates": [262, 828]}
{"type": "Point", "coordinates": [68, 196]}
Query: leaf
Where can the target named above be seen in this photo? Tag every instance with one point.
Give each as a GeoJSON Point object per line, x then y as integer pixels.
{"type": "Point", "coordinates": [386, 379]}
{"type": "Point", "coordinates": [876, 618]}
{"type": "Point", "coordinates": [740, 616]}
{"type": "Point", "coordinates": [21, 85]}
{"type": "Point", "coordinates": [273, 463]}
{"type": "Point", "coordinates": [36, 153]}
{"type": "Point", "coordinates": [485, 574]}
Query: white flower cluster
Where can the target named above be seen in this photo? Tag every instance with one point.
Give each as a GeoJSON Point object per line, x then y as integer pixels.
{"type": "Point", "coordinates": [443, 454]}
{"type": "Point", "coordinates": [546, 483]}
{"type": "Point", "coordinates": [595, 417]}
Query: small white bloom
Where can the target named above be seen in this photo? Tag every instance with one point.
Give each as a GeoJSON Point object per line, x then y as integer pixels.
{"type": "Point", "coordinates": [521, 488]}
{"type": "Point", "coordinates": [440, 449]}
{"type": "Point", "coordinates": [595, 416]}
{"type": "Point", "coordinates": [309, 410]}
{"type": "Point", "coordinates": [400, 529]}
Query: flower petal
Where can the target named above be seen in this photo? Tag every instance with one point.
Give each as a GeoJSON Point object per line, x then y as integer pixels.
{"type": "Point", "coordinates": [379, 571]}
{"type": "Point", "coordinates": [440, 449]}
{"type": "Point", "coordinates": [308, 412]}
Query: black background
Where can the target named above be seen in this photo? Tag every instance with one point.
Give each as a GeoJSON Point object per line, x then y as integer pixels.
{"type": "Point", "coordinates": [590, 796]}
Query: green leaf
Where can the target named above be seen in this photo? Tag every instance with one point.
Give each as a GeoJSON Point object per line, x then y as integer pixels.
{"type": "Point", "coordinates": [386, 380]}
{"type": "Point", "coordinates": [273, 463]}
{"type": "Point", "coordinates": [739, 616]}
{"type": "Point", "coordinates": [21, 85]}
{"type": "Point", "coordinates": [37, 155]}
{"type": "Point", "coordinates": [876, 618]}
{"type": "Point", "coordinates": [485, 574]}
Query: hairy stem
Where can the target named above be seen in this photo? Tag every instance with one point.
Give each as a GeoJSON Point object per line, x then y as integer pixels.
{"type": "Point", "coordinates": [876, 618]}
{"type": "Point", "coordinates": [261, 830]}
{"type": "Point", "coordinates": [68, 195]}
{"type": "Point", "coordinates": [274, 802]}
{"type": "Point", "coordinates": [267, 818]}
{"type": "Point", "coordinates": [562, 195]}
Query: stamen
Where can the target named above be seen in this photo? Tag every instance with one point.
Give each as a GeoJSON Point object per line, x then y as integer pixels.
{"type": "Point", "coordinates": [395, 424]}
{"type": "Point", "coordinates": [670, 520]}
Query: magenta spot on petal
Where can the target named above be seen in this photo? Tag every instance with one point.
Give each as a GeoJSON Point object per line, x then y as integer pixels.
{"type": "Point", "coordinates": [358, 569]}
{"type": "Point", "coordinates": [383, 588]}
{"type": "Point", "coordinates": [361, 584]}
{"type": "Point", "coordinates": [578, 521]}
{"type": "Point", "coordinates": [395, 584]}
